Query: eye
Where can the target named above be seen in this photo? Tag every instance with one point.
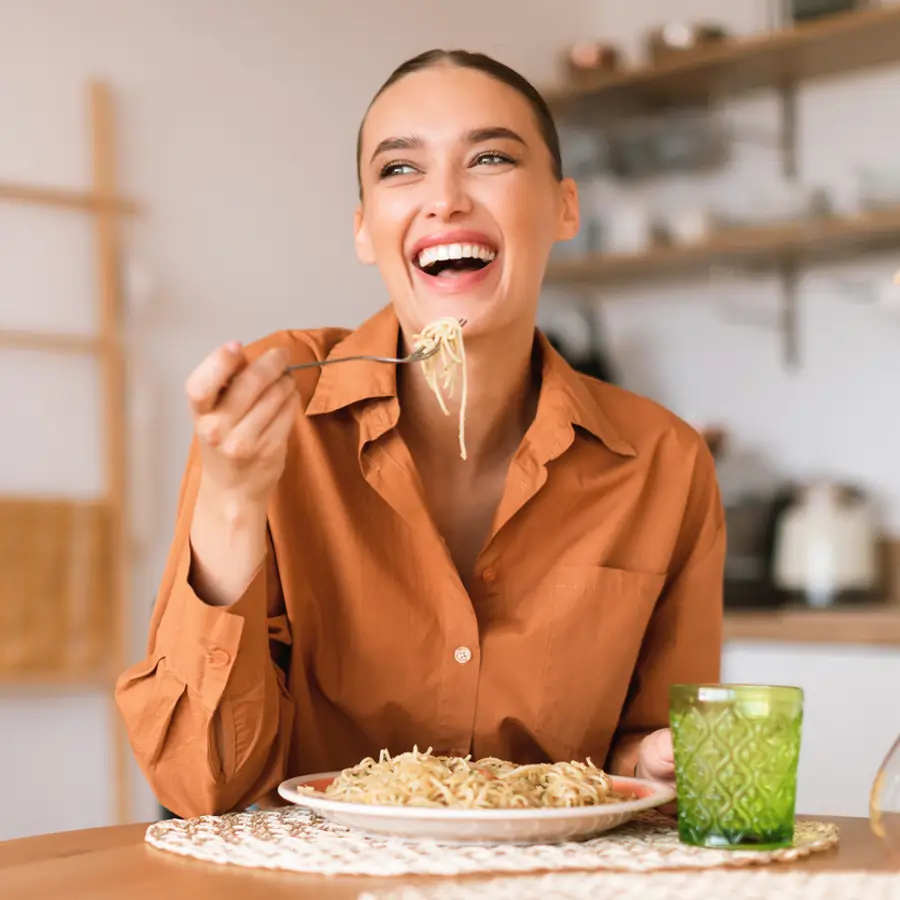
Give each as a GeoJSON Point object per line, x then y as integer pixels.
{"type": "Point", "coordinates": [397, 167]}
{"type": "Point", "coordinates": [493, 158]}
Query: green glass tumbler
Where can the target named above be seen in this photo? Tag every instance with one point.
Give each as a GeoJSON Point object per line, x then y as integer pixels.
{"type": "Point", "coordinates": [736, 753]}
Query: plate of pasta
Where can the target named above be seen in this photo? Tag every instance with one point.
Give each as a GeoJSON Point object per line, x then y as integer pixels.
{"type": "Point", "coordinates": [452, 799]}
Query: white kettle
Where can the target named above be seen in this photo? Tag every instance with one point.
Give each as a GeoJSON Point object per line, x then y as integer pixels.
{"type": "Point", "coordinates": [826, 545]}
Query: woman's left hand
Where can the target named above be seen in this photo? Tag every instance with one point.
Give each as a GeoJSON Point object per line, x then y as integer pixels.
{"type": "Point", "coordinates": [656, 758]}
{"type": "Point", "coordinates": [656, 761]}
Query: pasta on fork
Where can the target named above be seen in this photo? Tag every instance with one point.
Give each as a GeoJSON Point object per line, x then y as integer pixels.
{"type": "Point", "coordinates": [444, 368]}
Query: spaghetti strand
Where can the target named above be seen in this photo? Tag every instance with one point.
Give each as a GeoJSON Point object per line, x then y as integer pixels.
{"type": "Point", "coordinates": [421, 779]}
{"type": "Point", "coordinates": [442, 370]}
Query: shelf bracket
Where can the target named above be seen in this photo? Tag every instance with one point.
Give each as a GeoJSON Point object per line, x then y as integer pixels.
{"type": "Point", "coordinates": [787, 95]}
{"type": "Point", "coordinates": [789, 319]}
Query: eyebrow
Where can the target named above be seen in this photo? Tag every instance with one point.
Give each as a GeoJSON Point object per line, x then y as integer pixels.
{"type": "Point", "coordinates": [475, 136]}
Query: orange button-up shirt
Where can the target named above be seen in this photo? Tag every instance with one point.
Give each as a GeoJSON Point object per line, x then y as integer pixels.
{"type": "Point", "coordinates": [599, 586]}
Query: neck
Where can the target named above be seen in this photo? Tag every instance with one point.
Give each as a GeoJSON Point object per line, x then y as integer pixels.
{"type": "Point", "coordinates": [502, 397]}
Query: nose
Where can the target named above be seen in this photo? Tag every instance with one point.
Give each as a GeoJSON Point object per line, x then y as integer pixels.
{"type": "Point", "coordinates": [448, 196]}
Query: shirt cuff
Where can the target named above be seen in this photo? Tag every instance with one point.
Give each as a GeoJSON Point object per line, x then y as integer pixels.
{"type": "Point", "coordinates": [210, 648]}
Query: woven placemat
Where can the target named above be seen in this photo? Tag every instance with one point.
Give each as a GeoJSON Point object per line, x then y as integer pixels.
{"type": "Point", "coordinates": [712, 884]}
{"type": "Point", "coordinates": [297, 840]}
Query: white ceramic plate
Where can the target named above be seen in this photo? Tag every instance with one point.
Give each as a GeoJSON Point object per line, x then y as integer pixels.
{"type": "Point", "coordinates": [478, 826]}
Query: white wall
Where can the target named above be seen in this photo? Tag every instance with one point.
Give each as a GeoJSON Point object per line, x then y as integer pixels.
{"type": "Point", "coordinates": [237, 125]}
{"type": "Point", "coordinates": [850, 715]}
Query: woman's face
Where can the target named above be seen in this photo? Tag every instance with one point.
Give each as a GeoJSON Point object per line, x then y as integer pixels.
{"type": "Point", "coordinates": [460, 207]}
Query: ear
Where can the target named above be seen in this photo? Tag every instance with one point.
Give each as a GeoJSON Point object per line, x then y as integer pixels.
{"type": "Point", "coordinates": [365, 252]}
{"type": "Point", "coordinates": [569, 217]}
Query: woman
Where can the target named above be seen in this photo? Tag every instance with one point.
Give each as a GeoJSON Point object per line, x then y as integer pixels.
{"type": "Point", "coordinates": [342, 581]}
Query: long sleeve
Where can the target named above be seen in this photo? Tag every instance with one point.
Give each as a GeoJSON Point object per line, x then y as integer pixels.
{"type": "Point", "coordinates": [683, 641]}
{"type": "Point", "coordinates": [207, 711]}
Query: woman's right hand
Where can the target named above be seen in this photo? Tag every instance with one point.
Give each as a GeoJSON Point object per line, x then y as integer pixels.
{"type": "Point", "coordinates": [243, 414]}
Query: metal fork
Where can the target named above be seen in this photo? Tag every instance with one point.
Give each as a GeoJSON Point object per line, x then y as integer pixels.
{"type": "Point", "coordinates": [414, 357]}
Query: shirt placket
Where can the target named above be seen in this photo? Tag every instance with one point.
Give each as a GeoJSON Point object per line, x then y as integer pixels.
{"type": "Point", "coordinates": [527, 476]}
{"type": "Point", "coordinates": [387, 467]}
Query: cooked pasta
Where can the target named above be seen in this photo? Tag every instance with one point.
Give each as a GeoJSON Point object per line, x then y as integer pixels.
{"type": "Point", "coordinates": [441, 370]}
{"type": "Point", "coordinates": [421, 779]}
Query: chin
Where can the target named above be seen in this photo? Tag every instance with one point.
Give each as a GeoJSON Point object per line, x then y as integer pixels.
{"type": "Point", "coordinates": [493, 317]}
{"type": "Point", "coordinates": [478, 311]}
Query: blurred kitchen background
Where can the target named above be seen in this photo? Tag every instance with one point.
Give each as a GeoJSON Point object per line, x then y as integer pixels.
{"type": "Point", "coordinates": [174, 175]}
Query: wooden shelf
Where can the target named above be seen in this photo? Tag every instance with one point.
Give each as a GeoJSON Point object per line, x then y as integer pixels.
{"type": "Point", "coordinates": [830, 46]}
{"type": "Point", "coordinates": [864, 625]}
{"type": "Point", "coordinates": [769, 246]}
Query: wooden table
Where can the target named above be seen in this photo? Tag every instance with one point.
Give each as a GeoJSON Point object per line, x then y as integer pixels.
{"type": "Point", "coordinates": [114, 863]}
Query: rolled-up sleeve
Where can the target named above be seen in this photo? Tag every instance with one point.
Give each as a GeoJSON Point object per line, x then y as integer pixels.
{"type": "Point", "coordinates": [207, 711]}
{"type": "Point", "coordinates": [683, 641]}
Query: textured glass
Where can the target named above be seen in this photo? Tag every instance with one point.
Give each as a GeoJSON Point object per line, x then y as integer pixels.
{"type": "Point", "coordinates": [736, 753]}
{"type": "Point", "coordinates": [885, 801]}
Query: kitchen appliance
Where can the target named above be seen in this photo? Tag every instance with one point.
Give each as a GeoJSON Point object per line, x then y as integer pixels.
{"type": "Point", "coordinates": [805, 10]}
{"type": "Point", "coordinates": [753, 497]}
{"type": "Point", "coordinates": [750, 523]}
{"type": "Point", "coordinates": [826, 547]}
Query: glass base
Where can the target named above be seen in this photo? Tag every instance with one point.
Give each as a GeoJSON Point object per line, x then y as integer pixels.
{"type": "Point", "coordinates": [715, 841]}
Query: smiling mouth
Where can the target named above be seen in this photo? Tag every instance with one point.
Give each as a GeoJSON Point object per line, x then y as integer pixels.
{"type": "Point", "coordinates": [453, 260]}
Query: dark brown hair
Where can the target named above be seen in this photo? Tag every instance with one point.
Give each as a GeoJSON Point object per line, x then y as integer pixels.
{"type": "Point", "coordinates": [480, 62]}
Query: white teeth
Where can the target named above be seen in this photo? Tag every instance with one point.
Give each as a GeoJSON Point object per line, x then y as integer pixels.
{"type": "Point", "coordinates": [455, 251]}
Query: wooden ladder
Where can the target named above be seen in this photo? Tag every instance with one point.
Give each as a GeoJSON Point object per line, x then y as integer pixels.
{"type": "Point", "coordinates": [65, 567]}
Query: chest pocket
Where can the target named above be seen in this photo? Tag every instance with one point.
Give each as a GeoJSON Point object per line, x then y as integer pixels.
{"type": "Point", "coordinates": [597, 617]}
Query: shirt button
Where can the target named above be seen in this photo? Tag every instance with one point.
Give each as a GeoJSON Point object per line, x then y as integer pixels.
{"type": "Point", "coordinates": [218, 657]}
{"type": "Point", "coordinates": [489, 575]}
{"type": "Point", "coordinates": [462, 655]}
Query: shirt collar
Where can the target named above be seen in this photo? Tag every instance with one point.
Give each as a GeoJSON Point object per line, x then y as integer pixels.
{"type": "Point", "coordinates": [564, 392]}
{"type": "Point", "coordinates": [349, 383]}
